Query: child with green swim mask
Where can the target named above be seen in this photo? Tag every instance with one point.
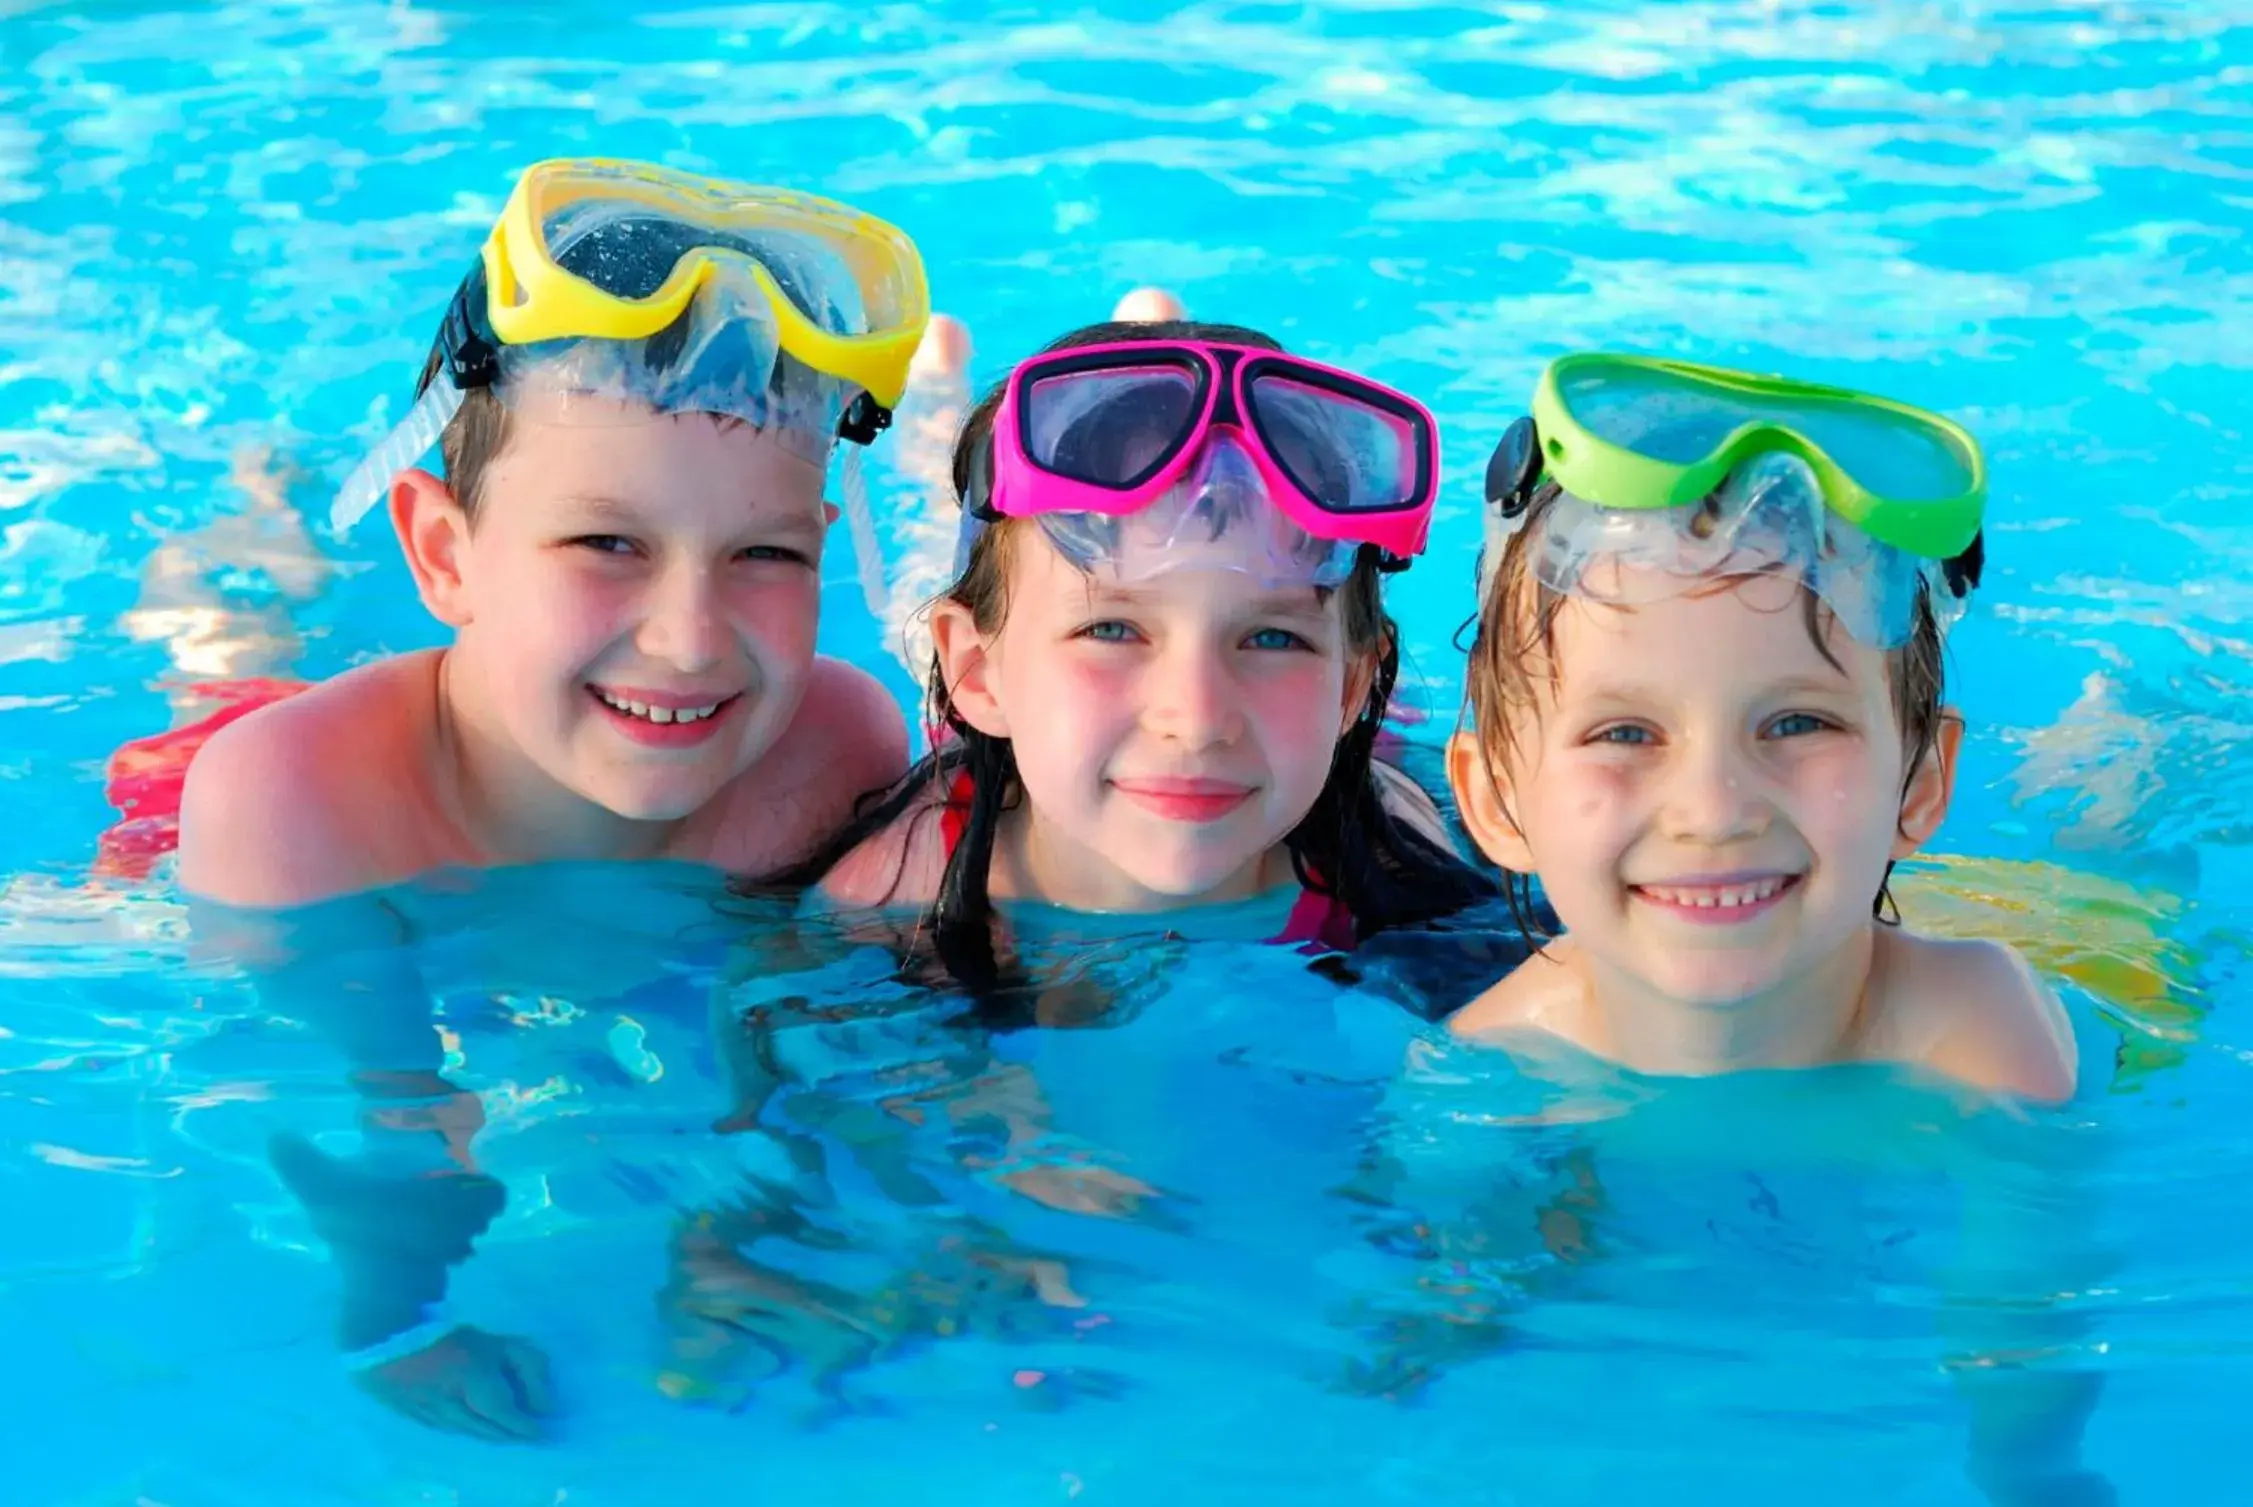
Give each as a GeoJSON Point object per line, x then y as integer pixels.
{"type": "Point", "coordinates": [1706, 715]}
{"type": "Point", "coordinates": [1705, 710]}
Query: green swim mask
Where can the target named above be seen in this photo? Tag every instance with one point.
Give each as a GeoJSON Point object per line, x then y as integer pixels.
{"type": "Point", "coordinates": [1671, 471]}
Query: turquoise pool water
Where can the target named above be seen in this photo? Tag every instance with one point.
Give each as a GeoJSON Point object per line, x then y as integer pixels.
{"type": "Point", "coordinates": [230, 229]}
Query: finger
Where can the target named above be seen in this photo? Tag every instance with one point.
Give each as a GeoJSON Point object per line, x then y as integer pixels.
{"type": "Point", "coordinates": [488, 1395]}
{"type": "Point", "coordinates": [458, 1415]}
{"type": "Point", "coordinates": [535, 1381]}
{"type": "Point", "coordinates": [419, 1407]}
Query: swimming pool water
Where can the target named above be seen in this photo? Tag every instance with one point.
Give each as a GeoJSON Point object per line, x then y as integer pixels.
{"type": "Point", "coordinates": [1304, 1269]}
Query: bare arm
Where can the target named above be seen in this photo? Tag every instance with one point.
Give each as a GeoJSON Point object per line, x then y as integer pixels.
{"type": "Point", "coordinates": [410, 1204]}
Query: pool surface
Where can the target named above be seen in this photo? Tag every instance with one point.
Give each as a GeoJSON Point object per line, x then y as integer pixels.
{"type": "Point", "coordinates": [1251, 1234]}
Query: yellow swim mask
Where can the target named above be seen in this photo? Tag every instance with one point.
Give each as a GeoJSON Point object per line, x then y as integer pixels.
{"type": "Point", "coordinates": [846, 290]}
{"type": "Point", "coordinates": [623, 280]}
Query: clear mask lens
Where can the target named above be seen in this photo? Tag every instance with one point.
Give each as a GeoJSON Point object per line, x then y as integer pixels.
{"type": "Point", "coordinates": [720, 357]}
{"type": "Point", "coordinates": [1680, 420]}
{"type": "Point", "coordinates": [1351, 457]}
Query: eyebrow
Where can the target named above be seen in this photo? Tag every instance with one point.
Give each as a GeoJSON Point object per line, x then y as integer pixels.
{"type": "Point", "coordinates": [1819, 684]}
{"type": "Point", "coordinates": [601, 507]}
{"type": "Point", "coordinates": [1833, 684]}
{"type": "Point", "coordinates": [1304, 602]}
{"type": "Point", "coordinates": [596, 505]}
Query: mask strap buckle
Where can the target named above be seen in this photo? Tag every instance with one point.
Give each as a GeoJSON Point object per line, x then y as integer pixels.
{"type": "Point", "coordinates": [471, 358]}
{"type": "Point", "coordinates": [1512, 473]}
{"type": "Point", "coordinates": [1963, 571]}
{"type": "Point", "coordinates": [864, 420]}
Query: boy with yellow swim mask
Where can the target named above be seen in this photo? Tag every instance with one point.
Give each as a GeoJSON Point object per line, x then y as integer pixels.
{"type": "Point", "coordinates": [635, 392]}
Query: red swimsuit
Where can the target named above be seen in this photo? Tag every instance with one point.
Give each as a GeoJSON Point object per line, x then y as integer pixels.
{"type": "Point", "coordinates": [147, 774]}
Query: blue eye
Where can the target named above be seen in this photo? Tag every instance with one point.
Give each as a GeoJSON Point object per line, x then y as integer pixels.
{"type": "Point", "coordinates": [765, 552]}
{"type": "Point", "coordinates": [1271, 639]}
{"type": "Point", "coordinates": [1624, 735]}
{"type": "Point", "coordinates": [1797, 725]}
{"type": "Point", "coordinates": [604, 544]}
{"type": "Point", "coordinates": [1110, 631]}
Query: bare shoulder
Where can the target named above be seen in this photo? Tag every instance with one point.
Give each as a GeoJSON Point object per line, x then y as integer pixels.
{"type": "Point", "coordinates": [1540, 994]}
{"type": "Point", "coordinates": [303, 799]}
{"type": "Point", "coordinates": [900, 865]}
{"type": "Point", "coordinates": [1976, 1011]}
{"type": "Point", "coordinates": [847, 738]}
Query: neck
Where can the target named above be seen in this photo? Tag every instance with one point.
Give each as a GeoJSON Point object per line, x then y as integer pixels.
{"type": "Point", "coordinates": [507, 809]}
{"type": "Point", "coordinates": [1034, 861]}
{"type": "Point", "coordinates": [1807, 1021]}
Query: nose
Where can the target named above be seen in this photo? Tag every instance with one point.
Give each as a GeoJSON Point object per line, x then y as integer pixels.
{"type": "Point", "coordinates": [1192, 700]}
{"type": "Point", "coordinates": [1713, 795]}
{"type": "Point", "coordinates": [685, 624]}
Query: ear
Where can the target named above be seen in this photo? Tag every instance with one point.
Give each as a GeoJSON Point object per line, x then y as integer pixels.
{"type": "Point", "coordinates": [1932, 785]}
{"type": "Point", "coordinates": [966, 668]}
{"type": "Point", "coordinates": [434, 535]}
{"type": "Point", "coordinates": [1482, 804]}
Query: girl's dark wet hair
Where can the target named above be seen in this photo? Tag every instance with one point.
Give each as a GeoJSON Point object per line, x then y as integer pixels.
{"type": "Point", "coordinates": [1349, 845]}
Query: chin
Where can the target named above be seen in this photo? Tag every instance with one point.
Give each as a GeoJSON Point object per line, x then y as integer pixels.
{"type": "Point", "coordinates": [1191, 877]}
{"type": "Point", "coordinates": [653, 803]}
{"type": "Point", "coordinates": [1717, 983]}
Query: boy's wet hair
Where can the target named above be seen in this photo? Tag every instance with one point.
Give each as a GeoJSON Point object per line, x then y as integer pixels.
{"type": "Point", "coordinates": [1514, 651]}
{"type": "Point", "coordinates": [1349, 845]}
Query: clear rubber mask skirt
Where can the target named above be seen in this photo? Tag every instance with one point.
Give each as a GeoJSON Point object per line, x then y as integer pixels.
{"type": "Point", "coordinates": [1218, 517]}
{"type": "Point", "coordinates": [1765, 530]}
{"type": "Point", "coordinates": [721, 357]}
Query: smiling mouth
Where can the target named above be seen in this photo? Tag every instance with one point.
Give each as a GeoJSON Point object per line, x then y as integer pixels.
{"type": "Point", "coordinates": [1185, 800]}
{"type": "Point", "coordinates": [660, 716]}
{"type": "Point", "coordinates": [1735, 899]}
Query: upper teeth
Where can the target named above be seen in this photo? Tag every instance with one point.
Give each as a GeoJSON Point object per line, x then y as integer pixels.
{"type": "Point", "coordinates": [1708, 897]}
{"type": "Point", "coordinates": [656, 713]}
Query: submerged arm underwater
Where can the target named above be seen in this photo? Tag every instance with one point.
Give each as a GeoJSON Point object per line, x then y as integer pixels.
{"type": "Point", "coordinates": [404, 1210]}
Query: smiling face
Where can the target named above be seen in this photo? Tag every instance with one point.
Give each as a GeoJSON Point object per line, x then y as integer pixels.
{"type": "Point", "coordinates": [1168, 733]}
{"type": "Point", "coordinates": [637, 601]}
{"type": "Point", "coordinates": [1709, 797]}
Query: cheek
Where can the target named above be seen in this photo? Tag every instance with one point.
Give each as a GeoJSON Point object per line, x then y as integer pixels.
{"type": "Point", "coordinates": [559, 607]}
{"type": "Point", "coordinates": [1041, 686]}
{"type": "Point", "coordinates": [1065, 712]}
{"type": "Point", "coordinates": [1841, 782]}
{"type": "Point", "coordinates": [1588, 798]}
{"type": "Point", "coordinates": [783, 617]}
{"type": "Point", "coordinates": [1835, 793]}
{"type": "Point", "coordinates": [1297, 707]}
